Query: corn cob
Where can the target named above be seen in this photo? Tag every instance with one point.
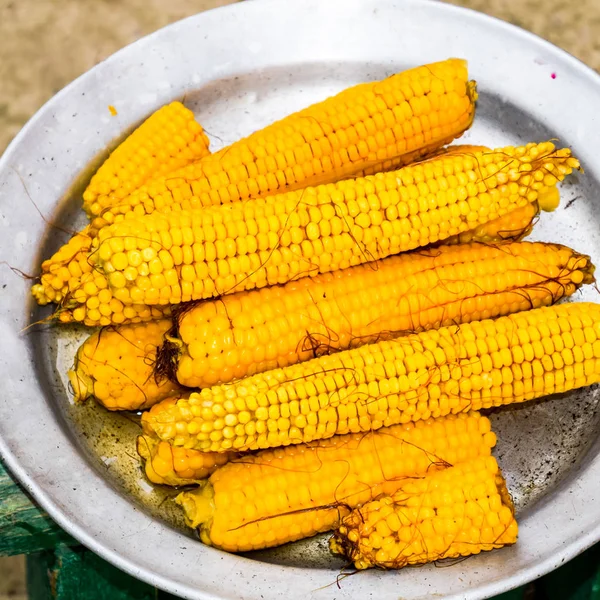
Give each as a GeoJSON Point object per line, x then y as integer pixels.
{"type": "Point", "coordinates": [252, 332]}
{"type": "Point", "coordinates": [281, 495]}
{"type": "Point", "coordinates": [116, 365]}
{"type": "Point", "coordinates": [167, 465]}
{"type": "Point", "coordinates": [401, 132]}
{"type": "Point", "coordinates": [512, 226]}
{"type": "Point", "coordinates": [169, 139]}
{"type": "Point", "coordinates": [366, 128]}
{"type": "Point", "coordinates": [63, 272]}
{"type": "Point", "coordinates": [430, 374]}
{"type": "Point", "coordinates": [74, 307]}
{"type": "Point", "coordinates": [460, 511]}
{"type": "Point", "coordinates": [191, 255]}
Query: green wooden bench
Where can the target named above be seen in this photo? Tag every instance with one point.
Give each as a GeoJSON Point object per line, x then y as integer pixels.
{"type": "Point", "coordinates": [58, 568]}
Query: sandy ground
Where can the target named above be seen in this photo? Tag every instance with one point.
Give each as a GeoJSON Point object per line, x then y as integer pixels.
{"type": "Point", "coordinates": [12, 578]}
{"type": "Point", "coordinates": [45, 44]}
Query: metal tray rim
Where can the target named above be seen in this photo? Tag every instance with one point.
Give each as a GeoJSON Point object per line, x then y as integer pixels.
{"type": "Point", "coordinates": [566, 552]}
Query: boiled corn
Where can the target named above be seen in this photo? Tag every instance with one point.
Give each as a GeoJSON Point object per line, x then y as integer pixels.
{"type": "Point", "coordinates": [281, 495]}
{"type": "Point", "coordinates": [170, 258]}
{"type": "Point", "coordinates": [366, 128]}
{"type": "Point", "coordinates": [514, 225]}
{"type": "Point", "coordinates": [168, 140]}
{"type": "Point", "coordinates": [167, 465]}
{"type": "Point", "coordinates": [64, 269]}
{"type": "Point", "coordinates": [460, 511]}
{"type": "Point", "coordinates": [434, 373]}
{"type": "Point", "coordinates": [116, 366]}
{"type": "Point", "coordinates": [63, 273]}
{"type": "Point", "coordinates": [251, 332]}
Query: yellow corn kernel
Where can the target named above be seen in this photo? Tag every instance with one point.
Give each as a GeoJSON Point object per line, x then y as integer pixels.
{"type": "Point", "coordinates": [359, 221]}
{"type": "Point", "coordinates": [550, 199]}
{"type": "Point", "coordinates": [166, 141]}
{"type": "Point", "coordinates": [361, 130]}
{"type": "Point", "coordinates": [251, 332]}
{"type": "Point", "coordinates": [115, 365]}
{"type": "Point", "coordinates": [460, 511]}
{"type": "Point", "coordinates": [282, 495]}
{"type": "Point", "coordinates": [475, 365]}
{"type": "Point", "coordinates": [169, 465]}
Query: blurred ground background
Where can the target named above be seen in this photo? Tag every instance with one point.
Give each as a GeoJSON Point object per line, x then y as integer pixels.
{"type": "Point", "coordinates": [45, 44]}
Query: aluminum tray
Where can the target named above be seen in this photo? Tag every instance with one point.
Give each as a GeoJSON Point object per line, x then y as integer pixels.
{"type": "Point", "coordinates": [241, 67]}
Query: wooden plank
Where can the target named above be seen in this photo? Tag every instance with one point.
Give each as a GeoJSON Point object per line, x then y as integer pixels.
{"type": "Point", "coordinates": [56, 570]}
{"type": "Point", "coordinates": [69, 573]}
{"type": "Point", "coordinates": [38, 576]}
{"type": "Point", "coordinates": [24, 528]}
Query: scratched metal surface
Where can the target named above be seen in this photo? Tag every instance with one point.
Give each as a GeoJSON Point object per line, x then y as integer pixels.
{"type": "Point", "coordinates": [80, 462]}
